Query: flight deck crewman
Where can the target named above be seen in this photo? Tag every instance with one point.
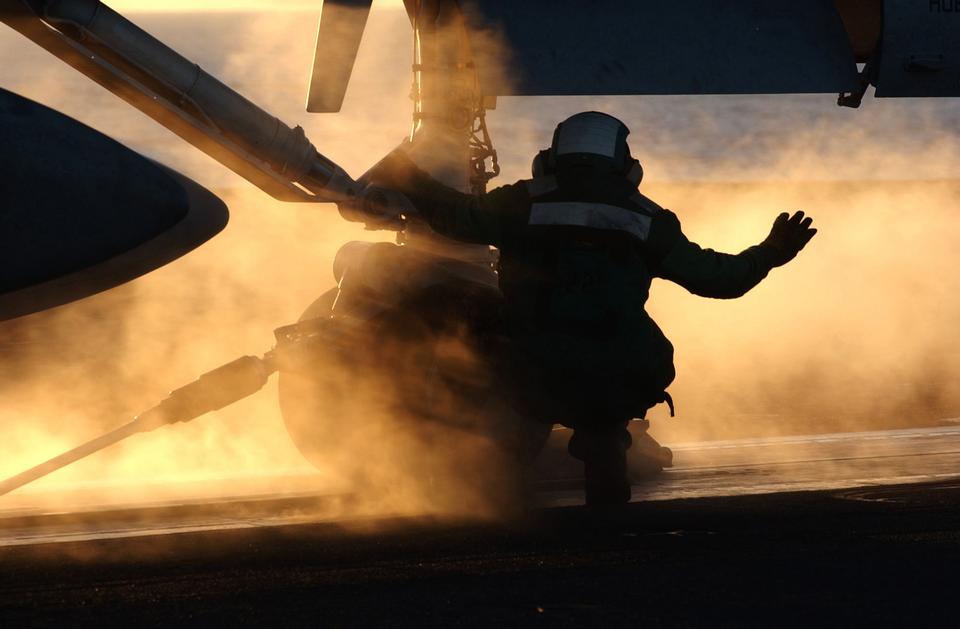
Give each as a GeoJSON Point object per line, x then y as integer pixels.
{"type": "Point", "coordinates": [579, 246]}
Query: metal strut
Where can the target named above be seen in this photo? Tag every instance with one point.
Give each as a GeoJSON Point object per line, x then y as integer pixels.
{"type": "Point", "coordinates": [481, 148]}
{"type": "Point", "coordinates": [126, 60]}
{"type": "Point", "coordinates": [213, 390]}
{"type": "Point", "coordinates": [465, 112]}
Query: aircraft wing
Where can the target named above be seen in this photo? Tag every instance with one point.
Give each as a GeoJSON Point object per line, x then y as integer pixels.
{"type": "Point", "coordinates": [920, 48]}
{"type": "Point", "coordinates": [558, 47]}
{"type": "Point", "coordinates": [598, 47]}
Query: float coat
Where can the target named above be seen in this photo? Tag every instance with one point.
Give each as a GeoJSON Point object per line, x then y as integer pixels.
{"type": "Point", "coordinates": [578, 252]}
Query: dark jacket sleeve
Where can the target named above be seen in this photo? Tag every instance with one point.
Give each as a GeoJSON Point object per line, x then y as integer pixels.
{"type": "Point", "coordinates": [709, 273]}
{"type": "Point", "coordinates": [479, 219]}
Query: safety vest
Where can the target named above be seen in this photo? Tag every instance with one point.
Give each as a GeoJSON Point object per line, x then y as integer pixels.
{"type": "Point", "coordinates": [581, 263]}
{"type": "Point", "coordinates": [576, 277]}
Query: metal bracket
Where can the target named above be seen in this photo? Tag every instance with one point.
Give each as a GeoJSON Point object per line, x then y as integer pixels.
{"type": "Point", "coordinates": [865, 78]}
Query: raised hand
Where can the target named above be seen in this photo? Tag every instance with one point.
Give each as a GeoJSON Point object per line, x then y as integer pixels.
{"type": "Point", "coordinates": [789, 235]}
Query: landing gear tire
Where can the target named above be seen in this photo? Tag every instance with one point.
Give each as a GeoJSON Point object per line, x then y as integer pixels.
{"type": "Point", "coordinates": [399, 413]}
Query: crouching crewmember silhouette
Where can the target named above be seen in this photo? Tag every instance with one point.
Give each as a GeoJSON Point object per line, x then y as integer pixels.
{"type": "Point", "coordinates": [579, 246]}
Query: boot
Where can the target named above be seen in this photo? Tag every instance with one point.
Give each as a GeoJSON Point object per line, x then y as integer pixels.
{"type": "Point", "coordinates": [604, 455]}
{"type": "Point", "coordinates": [647, 457]}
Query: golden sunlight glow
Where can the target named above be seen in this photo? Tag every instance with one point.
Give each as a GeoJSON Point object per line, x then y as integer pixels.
{"type": "Point", "coordinates": [178, 6]}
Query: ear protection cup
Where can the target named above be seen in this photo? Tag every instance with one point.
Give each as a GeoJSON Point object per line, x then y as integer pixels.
{"type": "Point", "coordinates": [634, 171]}
{"type": "Point", "coordinates": [543, 163]}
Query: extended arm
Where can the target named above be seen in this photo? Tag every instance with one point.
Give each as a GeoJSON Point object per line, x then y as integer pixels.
{"type": "Point", "coordinates": [466, 217]}
{"type": "Point", "coordinates": [710, 273]}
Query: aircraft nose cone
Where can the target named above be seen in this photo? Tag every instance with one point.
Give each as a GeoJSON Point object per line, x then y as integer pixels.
{"type": "Point", "coordinates": [81, 213]}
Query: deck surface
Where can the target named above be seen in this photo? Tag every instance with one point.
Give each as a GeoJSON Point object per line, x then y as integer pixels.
{"type": "Point", "coordinates": [829, 530]}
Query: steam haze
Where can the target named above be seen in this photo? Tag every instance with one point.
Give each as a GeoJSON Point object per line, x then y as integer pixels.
{"type": "Point", "coordinates": [857, 333]}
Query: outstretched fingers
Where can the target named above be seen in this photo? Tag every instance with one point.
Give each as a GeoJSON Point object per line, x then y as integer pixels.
{"type": "Point", "coordinates": [796, 218]}
{"type": "Point", "coordinates": [810, 233]}
{"type": "Point", "coordinates": [805, 231]}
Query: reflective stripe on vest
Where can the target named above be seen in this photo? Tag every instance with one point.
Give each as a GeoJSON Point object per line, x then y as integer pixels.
{"type": "Point", "coordinates": [593, 215]}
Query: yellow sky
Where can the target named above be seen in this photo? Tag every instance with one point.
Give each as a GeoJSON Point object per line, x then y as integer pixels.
{"type": "Point", "coordinates": [224, 5]}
